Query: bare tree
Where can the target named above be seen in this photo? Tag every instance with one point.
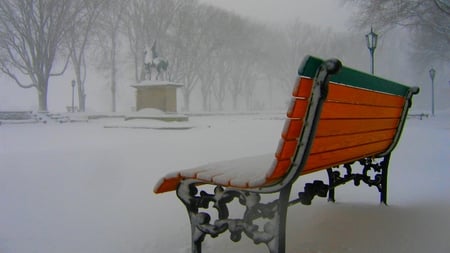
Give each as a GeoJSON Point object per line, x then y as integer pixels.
{"type": "Point", "coordinates": [249, 89]}
{"type": "Point", "coordinates": [223, 77]}
{"type": "Point", "coordinates": [190, 46]}
{"type": "Point", "coordinates": [213, 43]}
{"type": "Point", "coordinates": [77, 42]}
{"type": "Point", "coordinates": [239, 76]}
{"type": "Point", "coordinates": [135, 22]}
{"type": "Point", "coordinates": [207, 79]}
{"type": "Point", "coordinates": [243, 41]}
{"type": "Point", "coordinates": [31, 34]}
{"type": "Point", "coordinates": [443, 5]}
{"type": "Point", "coordinates": [427, 20]}
{"type": "Point", "coordinates": [147, 21]}
{"type": "Point", "coordinates": [229, 44]}
{"type": "Point", "coordinates": [110, 22]}
{"type": "Point", "coordinates": [285, 52]}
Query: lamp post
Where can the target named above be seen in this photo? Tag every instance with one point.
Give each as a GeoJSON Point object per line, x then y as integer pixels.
{"type": "Point", "coordinates": [372, 39]}
{"type": "Point", "coordinates": [432, 73]}
{"type": "Point", "coordinates": [73, 96]}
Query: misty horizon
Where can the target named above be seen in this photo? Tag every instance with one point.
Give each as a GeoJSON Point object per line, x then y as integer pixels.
{"type": "Point", "coordinates": [332, 17]}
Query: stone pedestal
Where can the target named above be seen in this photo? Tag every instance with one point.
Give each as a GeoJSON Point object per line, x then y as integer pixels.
{"type": "Point", "coordinates": [156, 94]}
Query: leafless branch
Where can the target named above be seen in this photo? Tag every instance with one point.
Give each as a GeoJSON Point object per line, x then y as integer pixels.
{"type": "Point", "coordinates": [442, 5]}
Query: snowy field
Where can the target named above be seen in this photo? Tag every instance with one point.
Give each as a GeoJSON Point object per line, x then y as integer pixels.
{"type": "Point", "coordinates": [83, 188]}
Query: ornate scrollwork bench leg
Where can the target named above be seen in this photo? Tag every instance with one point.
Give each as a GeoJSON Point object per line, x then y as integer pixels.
{"type": "Point", "coordinates": [274, 213]}
{"type": "Point", "coordinates": [379, 179]}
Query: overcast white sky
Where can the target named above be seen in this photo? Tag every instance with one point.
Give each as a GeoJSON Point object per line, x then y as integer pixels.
{"type": "Point", "coordinates": [328, 13]}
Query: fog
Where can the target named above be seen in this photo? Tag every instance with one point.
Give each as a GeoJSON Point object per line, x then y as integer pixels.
{"type": "Point", "coordinates": [330, 28]}
{"type": "Point", "coordinates": [326, 13]}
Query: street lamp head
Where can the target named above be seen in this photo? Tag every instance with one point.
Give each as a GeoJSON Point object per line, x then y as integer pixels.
{"type": "Point", "coordinates": [73, 83]}
{"type": "Point", "coordinates": [371, 39]}
{"type": "Point", "coordinates": [432, 73]}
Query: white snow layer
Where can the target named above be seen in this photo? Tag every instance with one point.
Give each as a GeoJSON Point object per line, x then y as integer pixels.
{"type": "Point", "coordinates": [80, 187]}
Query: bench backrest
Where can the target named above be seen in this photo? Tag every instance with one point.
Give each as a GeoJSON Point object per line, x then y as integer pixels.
{"type": "Point", "coordinates": [337, 115]}
{"type": "Point", "coordinates": [353, 116]}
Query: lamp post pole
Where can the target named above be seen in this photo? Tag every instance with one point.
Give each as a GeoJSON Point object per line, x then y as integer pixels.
{"type": "Point", "coordinates": [372, 40]}
{"type": "Point", "coordinates": [73, 96]}
{"type": "Point", "coordinates": [432, 73]}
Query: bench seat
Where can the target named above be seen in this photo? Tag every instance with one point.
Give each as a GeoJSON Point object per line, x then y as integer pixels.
{"type": "Point", "coordinates": [246, 172]}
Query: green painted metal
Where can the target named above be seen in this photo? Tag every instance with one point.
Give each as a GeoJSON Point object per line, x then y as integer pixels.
{"type": "Point", "coordinates": [352, 77]}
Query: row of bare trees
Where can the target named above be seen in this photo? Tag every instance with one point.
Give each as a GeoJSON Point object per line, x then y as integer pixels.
{"type": "Point", "coordinates": [31, 35]}
{"type": "Point", "coordinates": [218, 53]}
{"type": "Point", "coordinates": [36, 36]}
{"type": "Point", "coordinates": [39, 38]}
{"type": "Point", "coordinates": [427, 20]}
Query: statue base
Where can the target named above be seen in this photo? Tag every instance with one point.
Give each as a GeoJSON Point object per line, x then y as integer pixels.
{"type": "Point", "coordinates": [161, 95]}
{"type": "Point", "coordinates": [157, 115]}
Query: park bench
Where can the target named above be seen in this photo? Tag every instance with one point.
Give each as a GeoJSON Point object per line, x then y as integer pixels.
{"type": "Point", "coordinates": [17, 117]}
{"type": "Point", "coordinates": [338, 118]}
{"type": "Point", "coordinates": [418, 115]}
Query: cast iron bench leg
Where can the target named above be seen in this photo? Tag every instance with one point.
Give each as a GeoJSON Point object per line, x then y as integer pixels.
{"type": "Point", "coordinates": [383, 191]}
{"type": "Point", "coordinates": [282, 209]}
{"type": "Point", "coordinates": [330, 183]}
{"type": "Point", "coordinates": [272, 233]}
{"type": "Point", "coordinates": [378, 179]}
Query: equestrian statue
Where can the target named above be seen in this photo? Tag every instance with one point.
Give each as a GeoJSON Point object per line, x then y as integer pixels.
{"type": "Point", "coordinates": [154, 62]}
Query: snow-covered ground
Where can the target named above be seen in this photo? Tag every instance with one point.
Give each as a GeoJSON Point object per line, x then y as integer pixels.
{"type": "Point", "coordinates": [83, 188]}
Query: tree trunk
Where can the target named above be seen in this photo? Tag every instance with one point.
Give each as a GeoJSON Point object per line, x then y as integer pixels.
{"type": "Point", "coordinates": [205, 102]}
{"type": "Point", "coordinates": [113, 92]}
{"type": "Point", "coordinates": [186, 96]}
{"type": "Point", "coordinates": [220, 93]}
{"type": "Point", "coordinates": [113, 72]}
{"type": "Point", "coordinates": [81, 96]}
{"type": "Point", "coordinates": [42, 97]}
{"type": "Point", "coordinates": [206, 88]}
{"type": "Point", "coordinates": [235, 102]}
{"type": "Point", "coordinates": [80, 85]}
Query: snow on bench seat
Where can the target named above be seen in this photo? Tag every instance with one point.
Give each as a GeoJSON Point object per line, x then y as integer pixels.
{"type": "Point", "coordinates": [255, 171]}
{"type": "Point", "coordinates": [246, 172]}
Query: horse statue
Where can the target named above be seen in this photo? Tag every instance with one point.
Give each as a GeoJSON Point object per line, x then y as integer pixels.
{"type": "Point", "coordinates": [155, 62]}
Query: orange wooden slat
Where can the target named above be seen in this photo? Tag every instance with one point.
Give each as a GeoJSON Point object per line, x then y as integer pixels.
{"type": "Point", "coordinates": [353, 95]}
{"type": "Point", "coordinates": [286, 149]}
{"type": "Point", "coordinates": [303, 87]}
{"type": "Point", "coordinates": [329, 127]}
{"type": "Point", "coordinates": [336, 142]}
{"type": "Point", "coordinates": [297, 108]}
{"type": "Point", "coordinates": [326, 160]}
{"type": "Point", "coordinates": [280, 169]}
{"type": "Point", "coordinates": [292, 129]}
{"type": "Point", "coordinates": [333, 110]}
{"type": "Point", "coordinates": [169, 184]}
